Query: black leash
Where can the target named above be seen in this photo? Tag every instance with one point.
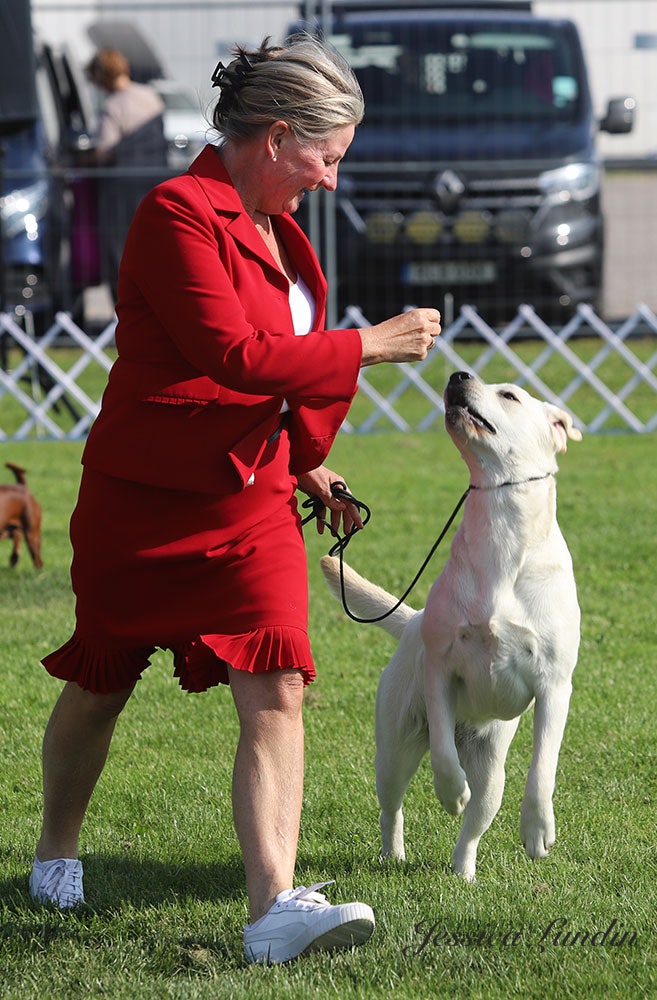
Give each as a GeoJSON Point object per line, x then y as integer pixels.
{"type": "Point", "coordinates": [339, 490]}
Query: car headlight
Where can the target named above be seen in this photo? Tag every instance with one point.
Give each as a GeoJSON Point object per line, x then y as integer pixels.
{"type": "Point", "coordinates": [22, 209]}
{"type": "Point", "coordinates": [577, 181]}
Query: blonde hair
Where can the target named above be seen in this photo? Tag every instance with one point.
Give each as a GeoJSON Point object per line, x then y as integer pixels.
{"type": "Point", "coordinates": [305, 83]}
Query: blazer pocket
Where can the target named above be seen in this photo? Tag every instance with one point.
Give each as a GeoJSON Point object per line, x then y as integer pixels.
{"type": "Point", "coordinates": [246, 453]}
{"type": "Point", "coordinates": [192, 392]}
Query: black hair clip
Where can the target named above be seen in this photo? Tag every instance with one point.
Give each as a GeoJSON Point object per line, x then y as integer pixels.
{"type": "Point", "coordinates": [218, 75]}
{"type": "Point", "coordinates": [222, 73]}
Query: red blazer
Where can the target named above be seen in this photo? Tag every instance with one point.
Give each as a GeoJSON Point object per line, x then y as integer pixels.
{"type": "Point", "coordinates": [206, 345]}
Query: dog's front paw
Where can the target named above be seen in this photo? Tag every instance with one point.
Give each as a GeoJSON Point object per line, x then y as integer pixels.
{"type": "Point", "coordinates": [537, 830]}
{"type": "Point", "coordinates": [453, 793]}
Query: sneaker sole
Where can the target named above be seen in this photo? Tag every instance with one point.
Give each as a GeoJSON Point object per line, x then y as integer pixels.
{"type": "Point", "coordinates": [343, 936]}
{"type": "Point", "coordinates": [341, 931]}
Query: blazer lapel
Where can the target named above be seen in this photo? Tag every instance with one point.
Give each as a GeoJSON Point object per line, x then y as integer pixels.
{"type": "Point", "coordinates": [214, 179]}
{"type": "Point", "coordinates": [301, 252]}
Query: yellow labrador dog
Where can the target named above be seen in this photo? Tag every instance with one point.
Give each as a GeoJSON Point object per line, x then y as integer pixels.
{"type": "Point", "coordinates": [500, 629]}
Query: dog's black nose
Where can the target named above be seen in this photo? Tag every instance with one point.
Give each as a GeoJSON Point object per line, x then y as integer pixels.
{"type": "Point", "coordinates": [458, 377]}
{"type": "Point", "coordinates": [457, 389]}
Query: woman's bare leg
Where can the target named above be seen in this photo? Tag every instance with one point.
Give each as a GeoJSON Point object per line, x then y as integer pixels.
{"type": "Point", "coordinates": [268, 780]}
{"type": "Point", "coordinates": [75, 747]}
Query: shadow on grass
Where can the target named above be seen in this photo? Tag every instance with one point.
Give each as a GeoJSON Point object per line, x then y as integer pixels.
{"type": "Point", "coordinates": [111, 881]}
{"type": "Point", "coordinates": [338, 866]}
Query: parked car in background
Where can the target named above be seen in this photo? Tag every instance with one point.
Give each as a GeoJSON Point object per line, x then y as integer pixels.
{"type": "Point", "coordinates": [51, 243]}
{"type": "Point", "coordinates": [45, 264]}
{"type": "Point", "coordinates": [474, 177]}
{"type": "Point", "coordinates": [185, 127]}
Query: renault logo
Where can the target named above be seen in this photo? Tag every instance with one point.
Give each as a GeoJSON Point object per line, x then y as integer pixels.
{"type": "Point", "coordinates": [448, 188]}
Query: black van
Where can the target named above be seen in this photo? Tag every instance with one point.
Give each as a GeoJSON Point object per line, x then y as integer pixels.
{"type": "Point", "coordinates": [474, 177]}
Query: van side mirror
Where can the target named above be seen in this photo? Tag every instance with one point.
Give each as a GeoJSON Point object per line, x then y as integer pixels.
{"type": "Point", "coordinates": [619, 117]}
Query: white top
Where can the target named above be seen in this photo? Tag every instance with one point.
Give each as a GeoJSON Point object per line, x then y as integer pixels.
{"type": "Point", "coordinates": [302, 307]}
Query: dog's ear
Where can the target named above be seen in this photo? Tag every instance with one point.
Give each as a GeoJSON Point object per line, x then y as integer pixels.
{"type": "Point", "coordinates": [561, 423]}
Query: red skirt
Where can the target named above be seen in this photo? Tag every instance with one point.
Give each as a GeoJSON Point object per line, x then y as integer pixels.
{"type": "Point", "coordinates": [219, 581]}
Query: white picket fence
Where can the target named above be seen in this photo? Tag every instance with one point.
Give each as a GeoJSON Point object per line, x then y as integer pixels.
{"type": "Point", "coordinates": [605, 377]}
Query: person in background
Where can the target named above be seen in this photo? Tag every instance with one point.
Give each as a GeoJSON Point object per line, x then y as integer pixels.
{"type": "Point", "coordinates": [225, 399]}
{"type": "Point", "coordinates": [130, 139]}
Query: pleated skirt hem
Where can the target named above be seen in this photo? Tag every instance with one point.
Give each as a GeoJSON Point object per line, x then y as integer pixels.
{"type": "Point", "coordinates": [198, 665]}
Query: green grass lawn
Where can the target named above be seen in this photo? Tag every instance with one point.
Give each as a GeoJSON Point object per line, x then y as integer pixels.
{"type": "Point", "coordinates": [163, 872]}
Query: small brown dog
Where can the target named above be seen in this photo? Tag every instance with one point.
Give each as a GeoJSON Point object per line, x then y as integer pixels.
{"type": "Point", "coordinates": [20, 515]}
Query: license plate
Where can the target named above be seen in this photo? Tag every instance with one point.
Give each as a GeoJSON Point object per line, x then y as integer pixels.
{"type": "Point", "coordinates": [456, 272]}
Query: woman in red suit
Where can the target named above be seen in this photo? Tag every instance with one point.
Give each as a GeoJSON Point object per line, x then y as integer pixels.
{"type": "Point", "coordinates": [225, 398]}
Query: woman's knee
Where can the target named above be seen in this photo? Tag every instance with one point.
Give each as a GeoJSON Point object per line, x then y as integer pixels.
{"type": "Point", "coordinates": [279, 691]}
{"type": "Point", "coordinates": [100, 707]}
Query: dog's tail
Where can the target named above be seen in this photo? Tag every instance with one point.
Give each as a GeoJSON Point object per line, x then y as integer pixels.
{"type": "Point", "coordinates": [18, 472]}
{"type": "Point", "coordinates": [365, 599]}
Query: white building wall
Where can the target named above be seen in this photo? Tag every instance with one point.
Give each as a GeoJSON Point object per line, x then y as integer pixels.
{"type": "Point", "coordinates": [612, 32]}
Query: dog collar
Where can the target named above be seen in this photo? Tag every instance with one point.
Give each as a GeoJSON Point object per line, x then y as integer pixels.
{"type": "Point", "coordinates": [511, 482]}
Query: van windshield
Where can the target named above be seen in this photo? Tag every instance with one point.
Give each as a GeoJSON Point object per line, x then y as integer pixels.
{"type": "Point", "coordinates": [465, 72]}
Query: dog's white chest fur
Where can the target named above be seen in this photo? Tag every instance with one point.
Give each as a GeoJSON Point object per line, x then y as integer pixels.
{"type": "Point", "coordinates": [493, 663]}
{"type": "Point", "coordinates": [493, 614]}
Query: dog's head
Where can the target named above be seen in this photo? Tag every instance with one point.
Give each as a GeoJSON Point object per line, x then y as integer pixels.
{"type": "Point", "coordinates": [503, 431]}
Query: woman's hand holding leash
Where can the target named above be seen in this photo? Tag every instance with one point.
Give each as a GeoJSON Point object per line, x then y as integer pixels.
{"type": "Point", "coordinates": [320, 484]}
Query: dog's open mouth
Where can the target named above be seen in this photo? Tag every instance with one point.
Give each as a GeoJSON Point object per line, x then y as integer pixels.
{"type": "Point", "coordinates": [472, 415]}
{"type": "Point", "coordinates": [478, 419]}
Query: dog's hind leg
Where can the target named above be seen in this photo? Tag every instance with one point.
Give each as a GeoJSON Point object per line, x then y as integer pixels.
{"type": "Point", "coordinates": [401, 742]}
{"type": "Point", "coordinates": [15, 535]}
{"type": "Point", "coordinates": [33, 540]}
{"type": "Point", "coordinates": [32, 531]}
{"type": "Point", "coordinates": [396, 763]}
{"type": "Point", "coordinates": [483, 755]}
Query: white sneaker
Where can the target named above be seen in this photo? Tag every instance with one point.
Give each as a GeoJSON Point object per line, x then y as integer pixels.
{"type": "Point", "coordinates": [301, 920]}
{"type": "Point", "coordinates": [58, 882]}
